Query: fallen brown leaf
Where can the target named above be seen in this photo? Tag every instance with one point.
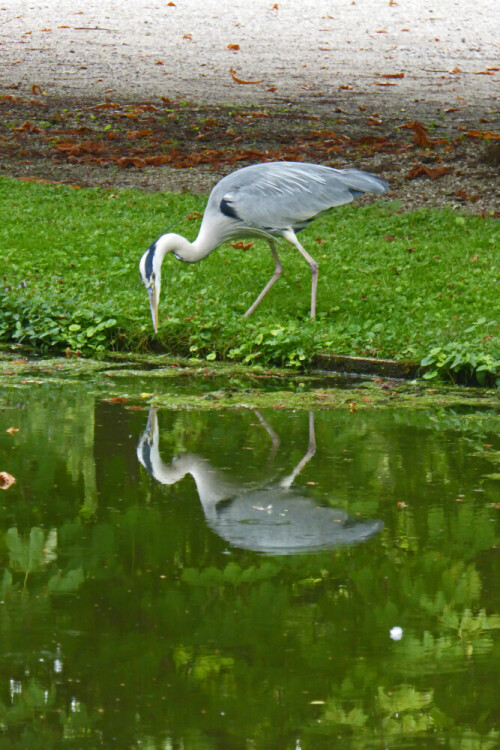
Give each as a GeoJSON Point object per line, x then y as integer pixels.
{"type": "Point", "coordinates": [328, 135]}
{"type": "Point", "coordinates": [131, 161]}
{"type": "Point", "coordinates": [6, 480]}
{"type": "Point", "coordinates": [420, 135]}
{"type": "Point", "coordinates": [463, 195]}
{"type": "Point", "coordinates": [240, 80]}
{"type": "Point", "coordinates": [234, 47]}
{"type": "Point", "coordinates": [105, 105]}
{"type": "Point", "coordinates": [488, 135]}
{"type": "Point", "coordinates": [79, 149]}
{"type": "Point", "coordinates": [420, 170]}
{"type": "Point", "coordinates": [240, 245]}
{"type": "Point", "coordinates": [133, 134]}
{"type": "Point", "coordinates": [141, 108]}
{"type": "Point", "coordinates": [392, 75]}
{"type": "Point", "coordinates": [156, 161]}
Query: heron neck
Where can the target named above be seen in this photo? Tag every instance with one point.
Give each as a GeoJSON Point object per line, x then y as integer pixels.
{"type": "Point", "coordinates": [189, 252]}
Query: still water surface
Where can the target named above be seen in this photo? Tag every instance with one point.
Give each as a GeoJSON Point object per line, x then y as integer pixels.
{"type": "Point", "coordinates": [246, 580]}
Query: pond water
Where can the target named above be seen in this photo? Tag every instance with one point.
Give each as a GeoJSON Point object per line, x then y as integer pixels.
{"type": "Point", "coordinates": [247, 579]}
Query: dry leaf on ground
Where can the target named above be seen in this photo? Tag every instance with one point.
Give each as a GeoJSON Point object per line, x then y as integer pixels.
{"type": "Point", "coordinates": [240, 80]}
{"type": "Point", "coordinates": [420, 170]}
{"type": "Point", "coordinates": [240, 245]}
{"type": "Point", "coordinates": [420, 135]}
{"type": "Point", "coordinates": [6, 480]}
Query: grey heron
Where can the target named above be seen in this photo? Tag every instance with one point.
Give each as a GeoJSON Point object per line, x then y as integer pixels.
{"type": "Point", "coordinates": [271, 201]}
{"type": "Point", "coordinates": [275, 519]}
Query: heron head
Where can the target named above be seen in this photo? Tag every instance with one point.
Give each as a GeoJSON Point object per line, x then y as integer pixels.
{"type": "Point", "coordinates": [150, 266]}
{"type": "Point", "coordinates": [150, 271]}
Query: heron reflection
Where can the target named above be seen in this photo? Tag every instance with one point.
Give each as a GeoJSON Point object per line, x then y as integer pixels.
{"type": "Point", "coordinates": [276, 519]}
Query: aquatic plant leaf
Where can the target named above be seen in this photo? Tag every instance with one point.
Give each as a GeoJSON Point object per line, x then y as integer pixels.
{"type": "Point", "coordinates": [404, 698]}
{"type": "Point", "coordinates": [67, 583]}
{"type": "Point", "coordinates": [26, 555]}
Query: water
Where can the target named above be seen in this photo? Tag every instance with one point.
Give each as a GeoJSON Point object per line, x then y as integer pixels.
{"type": "Point", "coordinates": [246, 580]}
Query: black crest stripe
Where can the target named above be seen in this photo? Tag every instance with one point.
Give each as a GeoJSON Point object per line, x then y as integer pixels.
{"type": "Point", "coordinates": [228, 210]}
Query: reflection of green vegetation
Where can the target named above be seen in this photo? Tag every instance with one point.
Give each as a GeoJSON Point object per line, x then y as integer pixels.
{"type": "Point", "coordinates": [66, 425]}
{"type": "Point", "coordinates": [201, 667]}
{"type": "Point", "coordinates": [33, 554]}
{"type": "Point", "coordinates": [32, 701]}
{"type": "Point", "coordinates": [167, 637]}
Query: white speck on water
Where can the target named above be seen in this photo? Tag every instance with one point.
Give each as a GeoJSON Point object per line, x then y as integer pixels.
{"type": "Point", "coordinates": [396, 633]}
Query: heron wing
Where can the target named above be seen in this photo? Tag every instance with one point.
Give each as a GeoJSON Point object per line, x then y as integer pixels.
{"type": "Point", "coordinates": [280, 195]}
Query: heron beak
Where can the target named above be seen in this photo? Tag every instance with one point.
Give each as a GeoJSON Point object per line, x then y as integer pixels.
{"type": "Point", "coordinates": [153, 303]}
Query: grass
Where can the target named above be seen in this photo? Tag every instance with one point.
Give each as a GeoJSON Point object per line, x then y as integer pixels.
{"type": "Point", "coordinates": [420, 286]}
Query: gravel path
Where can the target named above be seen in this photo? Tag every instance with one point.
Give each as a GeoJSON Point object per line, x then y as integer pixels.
{"type": "Point", "coordinates": [365, 69]}
{"type": "Point", "coordinates": [316, 52]}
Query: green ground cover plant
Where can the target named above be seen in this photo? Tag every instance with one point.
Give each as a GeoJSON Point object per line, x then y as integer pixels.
{"type": "Point", "coordinates": [421, 286]}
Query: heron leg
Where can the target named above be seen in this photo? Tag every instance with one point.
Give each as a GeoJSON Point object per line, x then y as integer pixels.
{"type": "Point", "coordinates": [290, 235]}
{"type": "Point", "coordinates": [278, 270]}
{"type": "Point", "coordinates": [311, 450]}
